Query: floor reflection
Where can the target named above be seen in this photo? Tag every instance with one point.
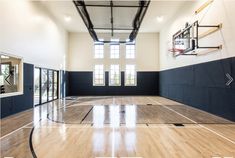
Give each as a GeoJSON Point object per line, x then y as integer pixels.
{"type": "Point", "coordinates": [115, 140]}
{"type": "Point", "coordinates": [98, 116]}
{"type": "Point", "coordinates": [98, 141]}
{"type": "Point", "coordinates": [130, 140]}
{"type": "Point", "coordinates": [130, 116]}
{"type": "Point", "coordinates": [114, 115]}
{"type": "Point", "coordinates": [116, 137]}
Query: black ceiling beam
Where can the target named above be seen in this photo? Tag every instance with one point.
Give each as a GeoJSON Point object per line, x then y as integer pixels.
{"type": "Point", "coordinates": [102, 28]}
{"type": "Point", "coordinates": [118, 6]}
{"type": "Point", "coordinates": [81, 8]}
{"type": "Point", "coordinates": [142, 8]}
{"type": "Point", "coordinates": [111, 20]}
{"type": "Point", "coordinates": [138, 18]}
{"type": "Point", "coordinates": [113, 42]}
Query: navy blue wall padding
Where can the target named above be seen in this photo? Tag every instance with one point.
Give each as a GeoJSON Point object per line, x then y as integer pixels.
{"type": "Point", "coordinates": [202, 86]}
{"type": "Point", "coordinates": [15, 104]}
{"type": "Point", "coordinates": [81, 83]}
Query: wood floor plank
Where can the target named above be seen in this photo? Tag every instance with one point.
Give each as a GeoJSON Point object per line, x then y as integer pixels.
{"type": "Point", "coordinates": [17, 144]}
{"type": "Point", "coordinates": [140, 141]}
{"type": "Point", "coordinates": [73, 114]}
{"type": "Point", "coordinates": [119, 126]}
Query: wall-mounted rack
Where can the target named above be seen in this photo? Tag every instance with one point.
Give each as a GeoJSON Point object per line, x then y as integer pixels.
{"type": "Point", "coordinates": [203, 6]}
{"type": "Point", "coordinates": [212, 29]}
{"type": "Point", "coordinates": [186, 41]}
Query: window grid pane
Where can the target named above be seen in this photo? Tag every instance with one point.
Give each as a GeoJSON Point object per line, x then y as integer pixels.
{"type": "Point", "coordinates": [130, 75]}
{"type": "Point", "coordinates": [99, 51]}
{"type": "Point", "coordinates": [114, 75]}
{"type": "Point", "coordinates": [114, 51]}
{"type": "Point", "coordinates": [130, 51]}
{"type": "Point", "coordinates": [98, 75]}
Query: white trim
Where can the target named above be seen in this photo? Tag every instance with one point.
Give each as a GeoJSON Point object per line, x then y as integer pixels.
{"type": "Point", "coordinates": [4, 95]}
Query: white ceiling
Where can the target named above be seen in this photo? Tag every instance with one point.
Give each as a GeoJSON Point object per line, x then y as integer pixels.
{"type": "Point", "coordinates": [166, 9]}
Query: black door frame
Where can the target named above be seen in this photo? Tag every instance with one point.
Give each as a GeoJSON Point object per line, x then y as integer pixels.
{"type": "Point", "coordinates": [40, 85]}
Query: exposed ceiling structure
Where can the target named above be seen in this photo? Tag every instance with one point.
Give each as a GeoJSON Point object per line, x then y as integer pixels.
{"type": "Point", "coordinates": [164, 10]}
{"type": "Point", "coordinates": [112, 13]}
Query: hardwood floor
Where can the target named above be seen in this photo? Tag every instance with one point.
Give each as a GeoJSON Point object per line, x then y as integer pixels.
{"type": "Point", "coordinates": [120, 126]}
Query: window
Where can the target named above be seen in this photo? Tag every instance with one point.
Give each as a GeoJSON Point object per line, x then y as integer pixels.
{"type": "Point", "coordinates": [130, 51]}
{"type": "Point", "coordinates": [36, 86]}
{"type": "Point", "coordinates": [98, 75]}
{"type": "Point", "coordinates": [114, 49]}
{"type": "Point", "coordinates": [99, 51]}
{"type": "Point", "coordinates": [114, 75]}
{"type": "Point", "coordinates": [44, 85]}
{"type": "Point", "coordinates": [11, 78]}
{"type": "Point", "coordinates": [130, 75]}
{"type": "Point", "coordinates": [55, 84]}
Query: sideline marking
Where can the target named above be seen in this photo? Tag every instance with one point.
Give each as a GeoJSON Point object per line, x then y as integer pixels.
{"type": "Point", "coordinates": [24, 126]}
{"type": "Point", "coordinates": [16, 130]}
{"type": "Point", "coordinates": [194, 122]}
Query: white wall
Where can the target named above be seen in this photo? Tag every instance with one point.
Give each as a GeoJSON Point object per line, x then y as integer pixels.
{"type": "Point", "coordinates": [29, 31]}
{"type": "Point", "coordinates": [220, 11]}
{"type": "Point", "coordinates": [81, 53]}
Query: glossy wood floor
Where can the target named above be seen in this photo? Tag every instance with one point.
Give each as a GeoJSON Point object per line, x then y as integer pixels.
{"type": "Point", "coordinates": [143, 126]}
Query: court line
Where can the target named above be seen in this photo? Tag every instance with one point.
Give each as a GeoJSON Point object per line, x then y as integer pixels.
{"type": "Point", "coordinates": [86, 115]}
{"type": "Point", "coordinates": [31, 144]}
{"type": "Point", "coordinates": [15, 130]}
{"type": "Point", "coordinates": [24, 126]}
{"type": "Point", "coordinates": [231, 141]}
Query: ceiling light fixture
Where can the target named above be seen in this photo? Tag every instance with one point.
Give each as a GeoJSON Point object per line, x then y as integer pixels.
{"type": "Point", "coordinates": [159, 18]}
{"type": "Point", "coordinates": [67, 18]}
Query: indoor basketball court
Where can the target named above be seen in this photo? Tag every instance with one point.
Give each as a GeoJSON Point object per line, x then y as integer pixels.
{"type": "Point", "coordinates": [117, 79]}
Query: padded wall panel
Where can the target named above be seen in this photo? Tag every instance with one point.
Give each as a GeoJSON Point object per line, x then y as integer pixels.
{"type": "Point", "coordinates": [15, 104]}
{"type": "Point", "coordinates": [222, 102]}
{"type": "Point", "coordinates": [196, 97]}
{"type": "Point", "coordinates": [81, 83]}
{"type": "Point", "coordinates": [233, 72]}
{"type": "Point", "coordinates": [213, 74]}
{"type": "Point", "coordinates": [202, 86]}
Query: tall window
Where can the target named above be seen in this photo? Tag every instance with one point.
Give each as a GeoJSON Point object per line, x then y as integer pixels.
{"type": "Point", "coordinates": [130, 75]}
{"type": "Point", "coordinates": [98, 75]}
{"type": "Point", "coordinates": [115, 79]}
{"type": "Point", "coordinates": [130, 51]}
{"type": "Point", "coordinates": [99, 51]}
{"type": "Point", "coordinates": [114, 49]}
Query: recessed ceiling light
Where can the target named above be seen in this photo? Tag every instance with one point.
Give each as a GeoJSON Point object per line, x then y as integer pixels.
{"type": "Point", "coordinates": [159, 18]}
{"type": "Point", "coordinates": [67, 18]}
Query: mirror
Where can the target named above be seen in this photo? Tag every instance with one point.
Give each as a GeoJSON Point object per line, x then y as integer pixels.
{"type": "Point", "coordinates": [11, 69]}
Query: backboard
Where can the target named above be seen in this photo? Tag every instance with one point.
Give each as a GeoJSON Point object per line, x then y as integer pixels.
{"type": "Point", "coordinates": [184, 40]}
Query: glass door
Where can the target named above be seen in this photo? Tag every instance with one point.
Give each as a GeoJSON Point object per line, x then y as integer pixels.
{"type": "Point", "coordinates": [37, 86]}
{"type": "Point", "coordinates": [44, 85]}
{"type": "Point", "coordinates": [50, 85]}
{"type": "Point", "coordinates": [55, 85]}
